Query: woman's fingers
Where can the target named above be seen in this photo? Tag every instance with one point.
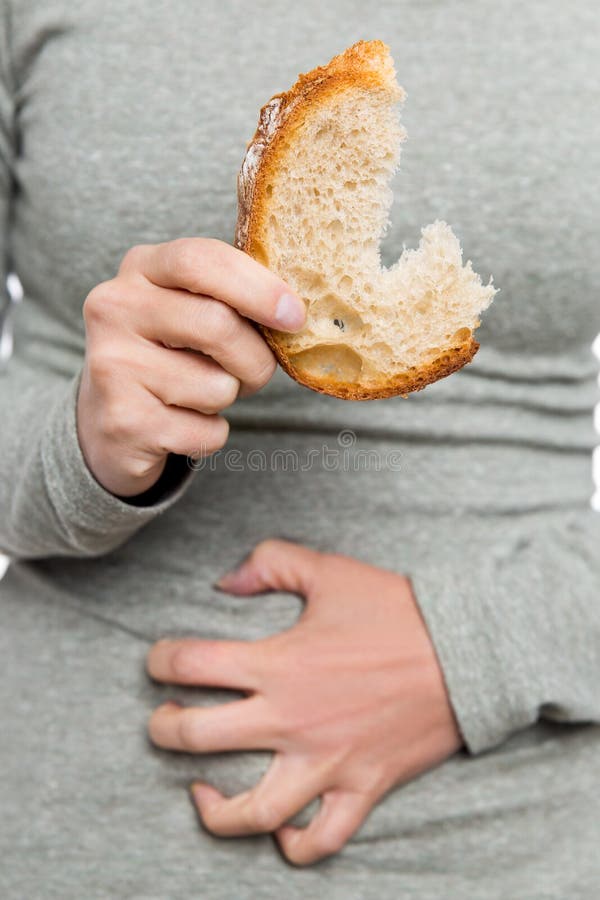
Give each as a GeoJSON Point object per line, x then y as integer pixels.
{"type": "Point", "coordinates": [237, 725]}
{"type": "Point", "coordinates": [274, 565]}
{"type": "Point", "coordinates": [205, 663]}
{"type": "Point", "coordinates": [188, 433]}
{"type": "Point", "coordinates": [213, 267]}
{"type": "Point", "coordinates": [187, 379]}
{"type": "Point", "coordinates": [341, 814]}
{"type": "Point", "coordinates": [181, 320]}
{"type": "Point", "coordinates": [287, 787]}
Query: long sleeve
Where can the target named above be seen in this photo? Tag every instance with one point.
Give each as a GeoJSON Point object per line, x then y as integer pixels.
{"type": "Point", "coordinates": [518, 632]}
{"type": "Point", "coordinates": [49, 501]}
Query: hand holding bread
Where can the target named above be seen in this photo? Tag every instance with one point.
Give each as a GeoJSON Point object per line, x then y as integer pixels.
{"type": "Point", "coordinates": [169, 346]}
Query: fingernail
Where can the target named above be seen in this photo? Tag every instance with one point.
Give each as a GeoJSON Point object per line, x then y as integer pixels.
{"type": "Point", "coordinates": [217, 586]}
{"type": "Point", "coordinates": [195, 794]}
{"type": "Point", "coordinates": [244, 580]}
{"type": "Point", "coordinates": [228, 580]}
{"type": "Point", "coordinates": [203, 793]}
{"type": "Point", "coordinates": [290, 312]}
{"type": "Point", "coordinates": [173, 703]}
{"type": "Point", "coordinates": [230, 577]}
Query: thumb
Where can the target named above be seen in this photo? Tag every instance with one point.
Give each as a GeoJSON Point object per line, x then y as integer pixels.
{"type": "Point", "coordinates": [273, 565]}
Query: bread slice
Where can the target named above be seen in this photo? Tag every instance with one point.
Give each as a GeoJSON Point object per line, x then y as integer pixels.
{"type": "Point", "coordinates": [313, 202]}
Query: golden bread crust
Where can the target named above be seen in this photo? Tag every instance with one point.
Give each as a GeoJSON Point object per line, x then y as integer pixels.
{"type": "Point", "coordinates": [403, 383]}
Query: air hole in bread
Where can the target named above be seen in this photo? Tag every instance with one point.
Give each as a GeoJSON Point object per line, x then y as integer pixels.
{"type": "Point", "coordinates": [425, 304]}
{"type": "Point", "coordinates": [322, 133]}
{"type": "Point", "coordinates": [462, 335]}
{"type": "Point", "coordinates": [330, 316]}
{"type": "Point", "coordinates": [307, 280]}
{"type": "Point", "coordinates": [269, 190]}
{"type": "Point", "coordinates": [334, 362]}
{"type": "Point", "coordinates": [335, 227]}
{"type": "Point", "coordinates": [345, 283]}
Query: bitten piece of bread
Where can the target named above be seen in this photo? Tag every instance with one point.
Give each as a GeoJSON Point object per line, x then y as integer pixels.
{"type": "Point", "coordinates": [313, 203]}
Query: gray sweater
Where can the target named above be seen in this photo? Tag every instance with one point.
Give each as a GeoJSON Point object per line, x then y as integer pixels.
{"type": "Point", "coordinates": [123, 123]}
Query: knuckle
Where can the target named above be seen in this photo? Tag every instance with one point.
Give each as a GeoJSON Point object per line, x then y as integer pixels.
{"type": "Point", "coordinates": [229, 389]}
{"type": "Point", "coordinates": [213, 822]}
{"type": "Point", "coordinates": [265, 549]}
{"type": "Point", "coordinates": [133, 258]}
{"type": "Point", "coordinates": [182, 662]}
{"type": "Point", "coordinates": [189, 256]}
{"type": "Point", "coordinates": [330, 842]}
{"type": "Point", "coordinates": [101, 367]}
{"type": "Point", "coordinates": [221, 324]}
{"type": "Point", "coordinates": [265, 371]}
{"type": "Point", "coordinates": [112, 425]}
{"type": "Point", "coordinates": [187, 731]}
{"type": "Point", "coordinates": [102, 302]}
{"type": "Point", "coordinates": [107, 364]}
{"type": "Point", "coordinates": [118, 421]}
{"type": "Point", "coordinates": [374, 780]}
{"type": "Point", "coordinates": [221, 391]}
{"type": "Point", "coordinates": [137, 467]}
{"type": "Point", "coordinates": [92, 306]}
{"type": "Point", "coordinates": [169, 395]}
{"type": "Point", "coordinates": [264, 816]}
{"type": "Point", "coordinates": [216, 434]}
